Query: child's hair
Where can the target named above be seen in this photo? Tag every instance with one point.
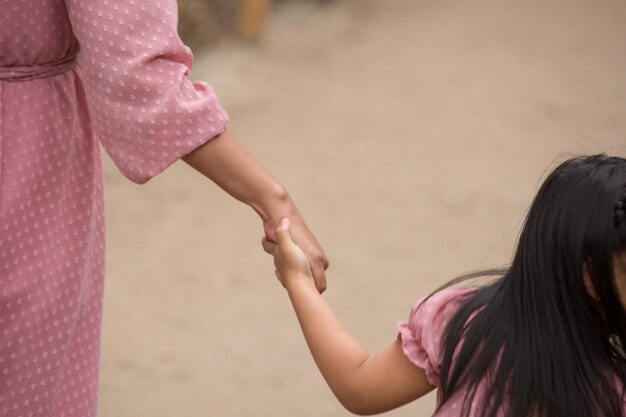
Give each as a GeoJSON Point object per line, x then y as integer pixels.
{"type": "Point", "coordinates": [539, 341]}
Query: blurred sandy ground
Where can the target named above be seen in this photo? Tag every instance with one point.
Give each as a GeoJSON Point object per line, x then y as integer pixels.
{"type": "Point", "coordinates": [412, 134]}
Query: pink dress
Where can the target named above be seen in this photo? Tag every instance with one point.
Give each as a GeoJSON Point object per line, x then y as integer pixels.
{"type": "Point", "coordinates": [127, 90]}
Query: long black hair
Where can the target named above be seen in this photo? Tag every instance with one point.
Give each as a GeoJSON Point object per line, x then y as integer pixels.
{"type": "Point", "coordinates": [541, 341]}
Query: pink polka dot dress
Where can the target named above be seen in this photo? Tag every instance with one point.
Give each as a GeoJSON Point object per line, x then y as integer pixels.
{"type": "Point", "coordinates": [74, 74]}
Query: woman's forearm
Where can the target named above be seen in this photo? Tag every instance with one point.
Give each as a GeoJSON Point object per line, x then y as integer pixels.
{"type": "Point", "coordinates": [225, 162]}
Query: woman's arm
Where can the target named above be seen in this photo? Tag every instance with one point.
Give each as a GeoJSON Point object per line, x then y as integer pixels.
{"type": "Point", "coordinates": [363, 383]}
{"type": "Point", "coordinates": [224, 161]}
{"type": "Point", "coordinates": [147, 114]}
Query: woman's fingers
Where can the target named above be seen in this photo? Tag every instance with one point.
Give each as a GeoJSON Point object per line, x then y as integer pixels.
{"type": "Point", "coordinates": [269, 246]}
{"type": "Point", "coordinates": [270, 233]}
{"type": "Point", "coordinates": [319, 276]}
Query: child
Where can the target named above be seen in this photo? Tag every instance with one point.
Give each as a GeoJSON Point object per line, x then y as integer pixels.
{"type": "Point", "coordinates": [543, 339]}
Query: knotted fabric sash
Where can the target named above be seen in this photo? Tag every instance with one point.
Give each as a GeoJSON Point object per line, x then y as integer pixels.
{"type": "Point", "coordinates": [26, 73]}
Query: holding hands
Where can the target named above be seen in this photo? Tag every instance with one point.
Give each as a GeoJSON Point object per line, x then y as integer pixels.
{"type": "Point", "coordinates": [291, 263]}
{"type": "Point", "coordinates": [296, 236]}
{"type": "Point", "coordinates": [228, 164]}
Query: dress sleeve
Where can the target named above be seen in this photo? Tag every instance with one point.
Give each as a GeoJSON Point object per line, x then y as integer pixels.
{"type": "Point", "coordinates": [421, 335]}
{"type": "Point", "coordinates": [134, 67]}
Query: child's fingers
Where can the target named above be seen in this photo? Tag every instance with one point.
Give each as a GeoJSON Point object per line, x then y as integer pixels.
{"type": "Point", "coordinates": [269, 246]}
{"type": "Point", "coordinates": [282, 233]}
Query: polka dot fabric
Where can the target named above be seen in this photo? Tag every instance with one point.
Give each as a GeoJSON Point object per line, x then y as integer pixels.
{"type": "Point", "coordinates": [126, 89]}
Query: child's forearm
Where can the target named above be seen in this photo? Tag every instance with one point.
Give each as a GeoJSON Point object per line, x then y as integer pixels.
{"type": "Point", "coordinates": [337, 354]}
{"type": "Point", "coordinates": [363, 383]}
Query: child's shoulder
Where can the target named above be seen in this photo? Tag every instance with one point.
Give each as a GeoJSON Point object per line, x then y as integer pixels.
{"type": "Point", "coordinates": [422, 332]}
{"type": "Point", "coordinates": [442, 302]}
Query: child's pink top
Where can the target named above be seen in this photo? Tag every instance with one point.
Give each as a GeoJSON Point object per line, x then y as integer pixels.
{"type": "Point", "coordinates": [422, 343]}
{"type": "Point", "coordinates": [422, 339]}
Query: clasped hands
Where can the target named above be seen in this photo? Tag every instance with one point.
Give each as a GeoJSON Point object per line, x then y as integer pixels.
{"type": "Point", "coordinates": [305, 244]}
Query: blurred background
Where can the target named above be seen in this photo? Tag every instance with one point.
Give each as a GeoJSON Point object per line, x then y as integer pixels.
{"type": "Point", "coordinates": [413, 136]}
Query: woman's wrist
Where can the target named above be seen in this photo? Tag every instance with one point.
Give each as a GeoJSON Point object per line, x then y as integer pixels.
{"type": "Point", "coordinates": [273, 205]}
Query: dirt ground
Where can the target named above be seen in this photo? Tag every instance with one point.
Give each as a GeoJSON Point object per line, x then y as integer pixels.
{"type": "Point", "coordinates": [412, 134]}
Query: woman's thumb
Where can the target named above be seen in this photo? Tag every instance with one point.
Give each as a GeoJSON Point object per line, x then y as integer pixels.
{"type": "Point", "coordinates": [282, 232]}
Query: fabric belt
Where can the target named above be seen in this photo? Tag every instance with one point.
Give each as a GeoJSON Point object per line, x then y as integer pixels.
{"type": "Point", "coordinates": [33, 72]}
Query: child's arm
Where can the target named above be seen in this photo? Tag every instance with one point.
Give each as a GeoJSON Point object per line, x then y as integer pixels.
{"type": "Point", "coordinates": [363, 383]}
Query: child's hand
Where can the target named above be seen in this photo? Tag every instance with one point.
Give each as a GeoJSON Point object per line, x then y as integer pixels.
{"type": "Point", "coordinates": [292, 265]}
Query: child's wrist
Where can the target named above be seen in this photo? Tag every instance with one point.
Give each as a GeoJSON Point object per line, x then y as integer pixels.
{"type": "Point", "coordinates": [299, 281]}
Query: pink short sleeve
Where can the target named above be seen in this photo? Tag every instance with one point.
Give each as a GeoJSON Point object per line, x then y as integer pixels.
{"type": "Point", "coordinates": [134, 67]}
{"type": "Point", "coordinates": [422, 333]}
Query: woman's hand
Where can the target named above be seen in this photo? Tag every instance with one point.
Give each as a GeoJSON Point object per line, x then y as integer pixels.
{"type": "Point", "coordinates": [291, 263]}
